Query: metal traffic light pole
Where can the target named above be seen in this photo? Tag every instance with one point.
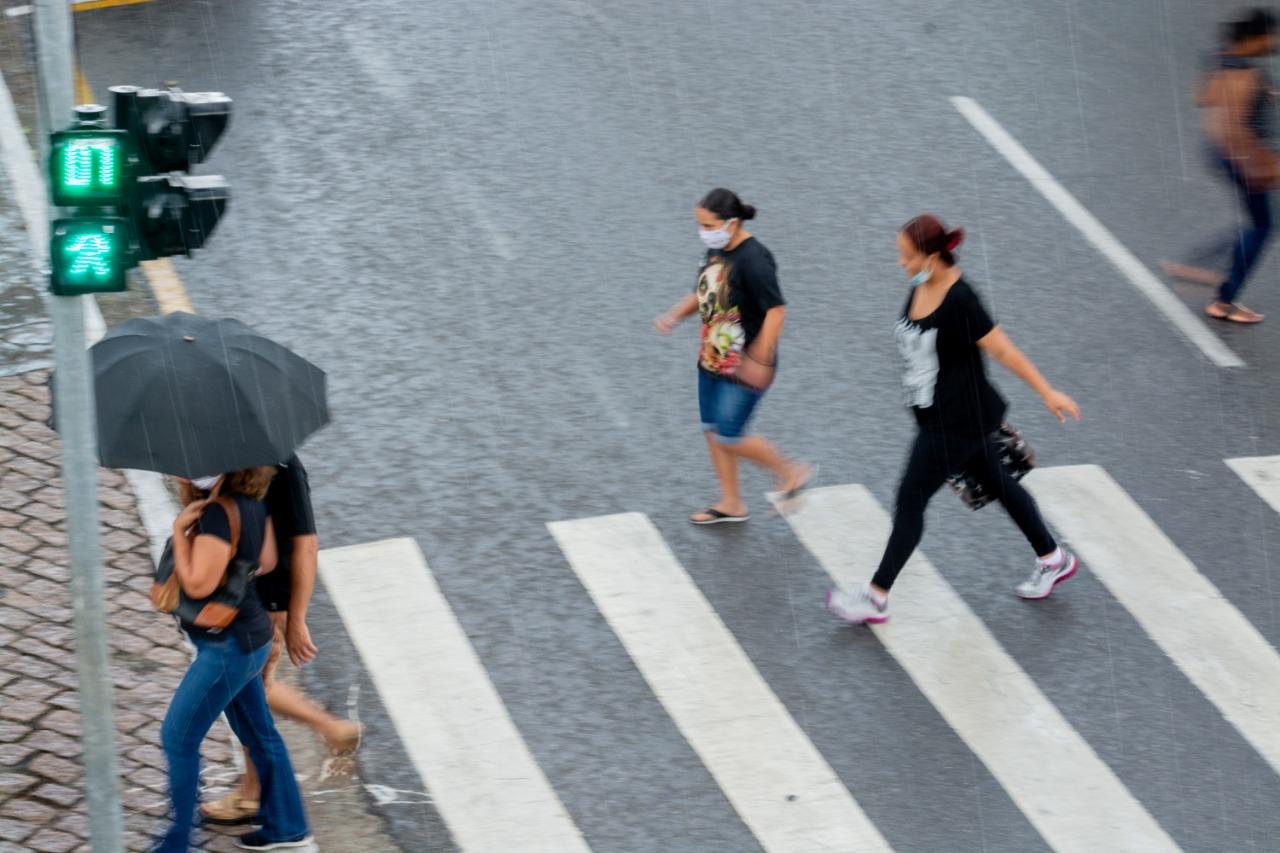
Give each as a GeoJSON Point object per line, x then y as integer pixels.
{"type": "Point", "coordinates": [77, 429]}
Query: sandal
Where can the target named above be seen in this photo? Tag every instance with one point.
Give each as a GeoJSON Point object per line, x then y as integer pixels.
{"type": "Point", "coordinates": [1233, 312]}
{"type": "Point", "coordinates": [715, 516]}
{"type": "Point", "coordinates": [231, 810]}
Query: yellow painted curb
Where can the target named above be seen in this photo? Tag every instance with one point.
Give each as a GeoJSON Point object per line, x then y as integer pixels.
{"type": "Point", "coordinates": [167, 287]}
{"type": "Point", "coordinates": [105, 4]}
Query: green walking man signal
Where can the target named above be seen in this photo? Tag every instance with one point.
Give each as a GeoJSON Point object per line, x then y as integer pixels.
{"type": "Point", "coordinates": [126, 188]}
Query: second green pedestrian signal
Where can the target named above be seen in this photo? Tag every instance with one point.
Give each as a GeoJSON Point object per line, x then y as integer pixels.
{"type": "Point", "coordinates": [88, 255]}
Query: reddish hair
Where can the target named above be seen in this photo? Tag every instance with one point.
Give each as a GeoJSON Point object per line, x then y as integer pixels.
{"type": "Point", "coordinates": [927, 233]}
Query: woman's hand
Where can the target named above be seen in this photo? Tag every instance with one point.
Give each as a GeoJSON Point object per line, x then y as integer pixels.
{"type": "Point", "coordinates": [665, 323]}
{"type": "Point", "coordinates": [1061, 405]}
{"type": "Point", "coordinates": [189, 516]}
{"type": "Point", "coordinates": [754, 373]}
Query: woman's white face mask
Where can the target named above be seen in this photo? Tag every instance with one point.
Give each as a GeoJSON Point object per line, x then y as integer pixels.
{"type": "Point", "coordinates": [716, 238]}
{"type": "Point", "coordinates": [206, 484]}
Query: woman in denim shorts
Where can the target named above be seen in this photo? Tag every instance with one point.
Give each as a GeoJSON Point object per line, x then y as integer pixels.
{"type": "Point", "coordinates": [741, 306]}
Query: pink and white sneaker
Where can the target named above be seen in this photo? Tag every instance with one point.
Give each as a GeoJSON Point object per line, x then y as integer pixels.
{"type": "Point", "coordinates": [1046, 576]}
{"type": "Point", "coordinates": [857, 605]}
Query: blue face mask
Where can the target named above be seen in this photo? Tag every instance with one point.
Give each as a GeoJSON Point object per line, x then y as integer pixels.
{"type": "Point", "coordinates": [922, 276]}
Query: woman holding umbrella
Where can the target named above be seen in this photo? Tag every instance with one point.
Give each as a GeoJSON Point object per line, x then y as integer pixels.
{"type": "Point", "coordinates": [191, 396]}
{"type": "Point", "coordinates": [224, 675]}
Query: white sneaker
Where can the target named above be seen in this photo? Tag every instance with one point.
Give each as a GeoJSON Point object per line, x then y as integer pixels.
{"type": "Point", "coordinates": [1045, 577]}
{"type": "Point", "coordinates": [856, 605]}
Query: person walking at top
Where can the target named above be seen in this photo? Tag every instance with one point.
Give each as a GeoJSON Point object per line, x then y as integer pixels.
{"type": "Point", "coordinates": [1238, 99]}
{"type": "Point", "coordinates": [741, 306]}
{"type": "Point", "coordinates": [943, 333]}
{"type": "Point", "coordinates": [224, 677]}
{"type": "Point", "coordinates": [286, 595]}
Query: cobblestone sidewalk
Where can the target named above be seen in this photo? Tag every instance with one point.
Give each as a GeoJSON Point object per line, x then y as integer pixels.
{"type": "Point", "coordinates": [42, 806]}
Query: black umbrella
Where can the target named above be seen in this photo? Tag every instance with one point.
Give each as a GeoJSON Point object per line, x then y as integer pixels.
{"type": "Point", "coordinates": [193, 396]}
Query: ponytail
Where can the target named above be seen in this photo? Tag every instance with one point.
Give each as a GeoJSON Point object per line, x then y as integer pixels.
{"type": "Point", "coordinates": [927, 233]}
{"type": "Point", "coordinates": [726, 205]}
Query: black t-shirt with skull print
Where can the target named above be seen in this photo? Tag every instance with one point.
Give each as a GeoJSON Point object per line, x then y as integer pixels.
{"type": "Point", "coordinates": [735, 290]}
{"type": "Point", "coordinates": [945, 377]}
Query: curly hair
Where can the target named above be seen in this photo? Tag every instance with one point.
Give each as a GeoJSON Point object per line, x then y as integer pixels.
{"type": "Point", "coordinates": [253, 482]}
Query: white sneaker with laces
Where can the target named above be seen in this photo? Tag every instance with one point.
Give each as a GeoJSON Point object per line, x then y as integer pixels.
{"type": "Point", "coordinates": [1045, 576]}
{"type": "Point", "coordinates": [856, 605]}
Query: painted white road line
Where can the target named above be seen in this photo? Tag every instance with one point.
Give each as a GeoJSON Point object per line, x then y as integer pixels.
{"type": "Point", "coordinates": [1204, 634]}
{"type": "Point", "coordinates": [772, 774]}
{"type": "Point", "coordinates": [1066, 791]}
{"type": "Point", "coordinates": [452, 722]}
{"type": "Point", "coordinates": [1096, 233]}
{"type": "Point", "coordinates": [1262, 474]}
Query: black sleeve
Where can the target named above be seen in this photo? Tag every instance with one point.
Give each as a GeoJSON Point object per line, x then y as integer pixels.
{"type": "Point", "coordinates": [760, 279]}
{"type": "Point", "coordinates": [291, 513]}
{"type": "Point", "coordinates": [973, 315]}
{"type": "Point", "coordinates": [214, 523]}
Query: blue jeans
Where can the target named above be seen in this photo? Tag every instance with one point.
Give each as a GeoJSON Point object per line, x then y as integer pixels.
{"type": "Point", "coordinates": [224, 677]}
{"type": "Point", "coordinates": [1248, 242]}
{"type": "Point", "coordinates": [725, 406]}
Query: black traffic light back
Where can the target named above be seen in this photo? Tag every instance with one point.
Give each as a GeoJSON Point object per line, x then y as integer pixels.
{"type": "Point", "coordinates": [172, 212]}
{"type": "Point", "coordinates": [175, 213]}
{"type": "Point", "coordinates": [176, 130]}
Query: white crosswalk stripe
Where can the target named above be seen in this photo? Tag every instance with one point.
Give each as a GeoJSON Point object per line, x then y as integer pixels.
{"type": "Point", "coordinates": [773, 775]}
{"type": "Point", "coordinates": [1262, 473]}
{"type": "Point", "coordinates": [1203, 633]}
{"type": "Point", "coordinates": [1075, 801]}
{"type": "Point", "coordinates": [454, 727]}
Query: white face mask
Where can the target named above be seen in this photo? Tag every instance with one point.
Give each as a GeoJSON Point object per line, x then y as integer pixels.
{"type": "Point", "coordinates": [716, 238]}
{"type": "Point", "coordinates": [206, 484]}
{"type": "Point", "coordinates": [922, 276]}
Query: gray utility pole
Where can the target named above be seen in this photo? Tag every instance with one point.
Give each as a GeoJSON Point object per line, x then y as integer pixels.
{"type": "Point", "coordinates": [78, 430]}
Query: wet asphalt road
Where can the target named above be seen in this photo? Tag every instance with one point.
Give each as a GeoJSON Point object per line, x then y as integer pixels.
{"type": "Point", "coordinates": [468, 215]}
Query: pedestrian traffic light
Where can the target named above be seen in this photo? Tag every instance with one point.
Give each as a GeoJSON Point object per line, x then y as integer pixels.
{"type": "Point", "coordinates": [129, 196]}
{"type": "Point", "coordinates": [90, 169]}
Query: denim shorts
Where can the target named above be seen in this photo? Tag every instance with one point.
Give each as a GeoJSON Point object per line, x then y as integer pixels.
{"type": "Point", "coordinates": [725, 406]}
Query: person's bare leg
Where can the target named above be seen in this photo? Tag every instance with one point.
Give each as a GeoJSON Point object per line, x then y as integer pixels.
{"type": "Point", "coordinates": [762, 452]}
{"type": "Point", "coordinates": [726, 466]}
{"type": "Point", "coordinates": [1187, 272]}
{"type": "Point", "coordinates": [250, 788]}
{"type": "Point", "coordinates": [291, 704]}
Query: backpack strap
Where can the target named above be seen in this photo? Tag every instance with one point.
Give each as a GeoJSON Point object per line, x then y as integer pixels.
{"type": "Point", "coordinates": [232, 509]}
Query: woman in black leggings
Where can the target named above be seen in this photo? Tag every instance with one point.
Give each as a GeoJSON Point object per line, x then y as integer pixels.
{"type": "Point", "coordinates": [942, 333]}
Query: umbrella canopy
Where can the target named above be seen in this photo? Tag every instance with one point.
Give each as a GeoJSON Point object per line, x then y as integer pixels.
{"type": "Point", "coordinates": [194, 396]}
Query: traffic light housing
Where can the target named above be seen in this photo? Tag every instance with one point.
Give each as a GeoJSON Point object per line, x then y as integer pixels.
{"type": "Point", "coordinates": [126, 186]}
{"type": "Point", "coordinates": [172, 212]}
{"type": "Point", "coordinates": [175, 213]}
{"type": "Point", "coordinates": [177, 129]}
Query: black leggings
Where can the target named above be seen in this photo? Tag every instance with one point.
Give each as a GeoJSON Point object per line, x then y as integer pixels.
{"type": "Point", "coordinates": [935, 456]}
